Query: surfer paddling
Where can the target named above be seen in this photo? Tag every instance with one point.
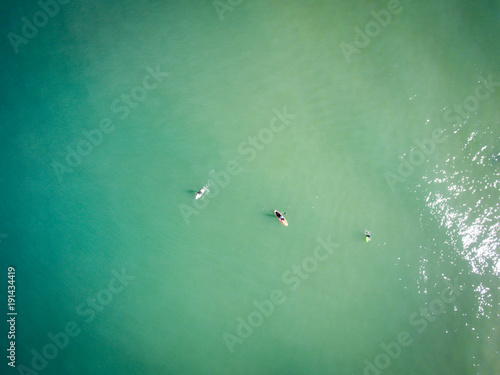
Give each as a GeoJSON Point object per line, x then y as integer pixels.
{"type": "Point", "coordinates": [368, 237]}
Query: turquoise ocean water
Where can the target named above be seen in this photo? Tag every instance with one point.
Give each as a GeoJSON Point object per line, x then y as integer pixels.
{"type": "Point", "coordinates": [275, 105]}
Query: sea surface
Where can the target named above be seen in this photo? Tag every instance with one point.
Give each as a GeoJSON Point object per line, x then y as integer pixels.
{"type": "Point", "coordinates": [346, 116]}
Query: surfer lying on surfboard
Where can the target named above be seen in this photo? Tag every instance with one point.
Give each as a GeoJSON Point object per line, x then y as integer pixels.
{"type": "Point", "coordinates": [201, 192]}
{"type": "Point", "coordinates": [281, 217]}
